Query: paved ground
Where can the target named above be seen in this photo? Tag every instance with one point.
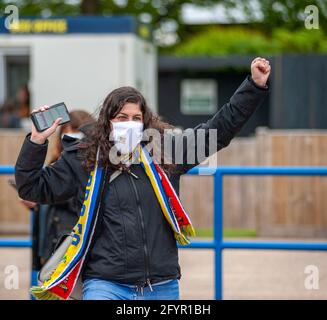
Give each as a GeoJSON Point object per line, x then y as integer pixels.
{"type": "Point", "coordinates": [248, 274]}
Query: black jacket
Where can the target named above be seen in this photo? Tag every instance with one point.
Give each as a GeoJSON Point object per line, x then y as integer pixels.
{"type": "Point", "coordinates": [133, 242]}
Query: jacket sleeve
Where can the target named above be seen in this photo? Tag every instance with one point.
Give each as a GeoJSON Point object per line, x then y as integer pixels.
{"type": "Point", "coordinates": [227, 122]}
{"type": "Point", "coordinates": [46, 185]}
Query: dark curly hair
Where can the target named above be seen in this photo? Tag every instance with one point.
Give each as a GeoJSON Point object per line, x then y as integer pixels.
{"type": "Point", "coordinates": [99, 135]}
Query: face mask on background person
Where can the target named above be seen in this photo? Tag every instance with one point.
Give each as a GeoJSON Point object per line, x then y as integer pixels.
{"type": "Point", "coordinates": [127, 135]}
{"type": "Point", "coordinates": [77, 135]}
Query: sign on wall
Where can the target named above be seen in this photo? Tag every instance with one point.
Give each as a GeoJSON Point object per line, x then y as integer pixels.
{"type": "Point", "coordinates": [198, 96]}
{"type": "Point", "coordinates": [67, 25]}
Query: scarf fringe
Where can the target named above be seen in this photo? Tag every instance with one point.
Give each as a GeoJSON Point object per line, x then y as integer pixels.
{"type": "Point", "coordinates": [181, 239]}
{"type": "Point", "coordinates": [188, 230]}
{"type": "Point", "coordinates": [43, 294]}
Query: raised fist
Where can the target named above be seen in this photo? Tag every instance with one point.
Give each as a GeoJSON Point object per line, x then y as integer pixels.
{"type": "Point", "coordinates": [260, 71]}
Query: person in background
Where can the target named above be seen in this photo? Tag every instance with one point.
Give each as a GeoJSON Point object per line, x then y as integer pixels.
{"type": "Point", "coordinates": [80, 123]}
{"type": "Point", "coordinates": [9, 117]}
{"type": "Point", "coordinates": [23, 106]}
{"type": "Point", "coordinates": [15, 111]}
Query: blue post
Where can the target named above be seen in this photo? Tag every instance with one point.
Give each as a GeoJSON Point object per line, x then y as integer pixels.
{"type": "Point", "coordinates": [34, 273]}
{"type": "Point", "coordinates": [218, 232]}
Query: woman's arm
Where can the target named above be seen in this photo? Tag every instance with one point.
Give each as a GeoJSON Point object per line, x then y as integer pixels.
{"type": "Point", "coordinates": [226, 123]}
{"type": "Point", "coordinates": [46, 185]}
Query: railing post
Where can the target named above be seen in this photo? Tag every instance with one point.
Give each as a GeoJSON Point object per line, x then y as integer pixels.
{"type": "Point", "coordinates": [34, 251]}
{"type": "Point", "coordinates": [218, 232]}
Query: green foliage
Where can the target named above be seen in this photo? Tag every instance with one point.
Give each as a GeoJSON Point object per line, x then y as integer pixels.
{"type": "Point", "coordinates": [300, 41]}
{"type": "Point", "coordinates": [227, 233]}
{"type": "Point", "coordinates": [158, 12]}
{"type": "Point", "coordinates": [163, 15]}
{"type": "Point", "coordinates": [239, 40]}
{"type": "Point", "coordinates": [289, 14]}
{"type": "Point", "coordinates": [223, 41]}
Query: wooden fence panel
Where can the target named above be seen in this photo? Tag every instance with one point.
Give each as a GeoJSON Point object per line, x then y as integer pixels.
{"type": "Point", "coordinates": [274, 206]}
{"type": "Point", "coordinates": [14, 217]}
{"type": "Point", "coordinates": [294, 206]}
{"type": "Point", "coordinates": [239, 192]}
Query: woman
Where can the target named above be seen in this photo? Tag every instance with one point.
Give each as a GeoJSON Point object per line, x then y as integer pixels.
{"type": "Point", "coordinates": [124, 246]}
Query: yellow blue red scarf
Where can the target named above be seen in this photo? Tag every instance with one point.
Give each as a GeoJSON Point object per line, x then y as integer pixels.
{"type": "Point", "coordinates": [62, 281]}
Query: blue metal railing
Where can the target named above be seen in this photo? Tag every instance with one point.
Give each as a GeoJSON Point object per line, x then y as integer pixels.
{"type": "Point", "coordinates": [218, 243]}
{"type": "Point", "coordinates": [18, 243]}
{"type": "Point", "coordinates": [11, 242]}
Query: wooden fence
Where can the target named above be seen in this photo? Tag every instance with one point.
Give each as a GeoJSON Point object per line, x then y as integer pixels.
{"type": "Point", "coordinates": [273, 206]}
{"type": "Point", "coordinates": [14, 217]}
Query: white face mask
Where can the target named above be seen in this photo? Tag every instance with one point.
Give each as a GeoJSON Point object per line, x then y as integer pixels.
{"type": "Point", "coordinates": [127, 135]}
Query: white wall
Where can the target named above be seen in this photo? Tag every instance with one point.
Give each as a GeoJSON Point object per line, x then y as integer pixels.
{"type": "Point", "coordinates": [146, 74]}
{"type": "Point", "coordinates": [82, 69]}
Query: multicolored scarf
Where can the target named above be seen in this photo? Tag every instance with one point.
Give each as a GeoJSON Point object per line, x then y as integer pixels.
{"type": "Point", "coordinates": [62, 280]}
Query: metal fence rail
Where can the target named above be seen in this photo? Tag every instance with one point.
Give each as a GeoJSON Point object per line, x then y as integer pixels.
{"type": "Point", "coordinates": [219, 244]}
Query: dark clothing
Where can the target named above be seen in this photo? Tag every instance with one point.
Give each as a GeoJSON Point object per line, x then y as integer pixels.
{"type": "Point", "coordinates": [55, 223]}
{"type": "Point", "coordinates": [134, 242]}
{"type": "Point", "coordinates": [124, 251]}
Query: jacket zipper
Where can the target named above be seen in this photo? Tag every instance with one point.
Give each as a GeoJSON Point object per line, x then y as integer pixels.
{"type": "Point", "coordinates": [146, 254]}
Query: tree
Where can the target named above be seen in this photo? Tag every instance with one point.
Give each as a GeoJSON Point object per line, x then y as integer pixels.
{"type": "Point", "coordinates": [163, 16]}
{"type": "Point", "coordinates": [289, 14]}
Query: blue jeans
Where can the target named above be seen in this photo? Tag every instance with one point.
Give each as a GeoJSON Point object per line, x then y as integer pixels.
{"type": "Point", "coordinates": [98, 289]}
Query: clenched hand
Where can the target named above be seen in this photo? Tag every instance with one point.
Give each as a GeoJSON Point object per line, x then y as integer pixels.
{"type": "Point", "coordinates": [260, 71]}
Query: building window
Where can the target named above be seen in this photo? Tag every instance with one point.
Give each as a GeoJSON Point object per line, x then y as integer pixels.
{"type": "Point", "coordinates": [17, 73]}
{"type": "Point", "coordinates": [199, 96]}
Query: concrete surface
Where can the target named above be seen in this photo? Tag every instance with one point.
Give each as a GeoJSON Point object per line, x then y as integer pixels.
{"type": "Point", "coordinates": [248, 274]}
